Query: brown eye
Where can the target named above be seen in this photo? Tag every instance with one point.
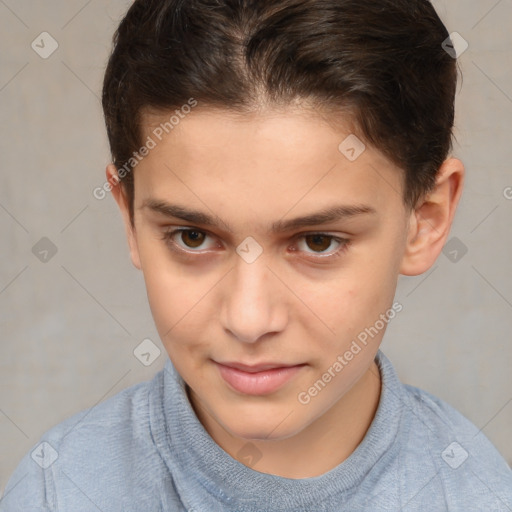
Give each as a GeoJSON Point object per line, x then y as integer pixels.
{"type": "Point", "coordinates": [322, 246]}
{"type": "Point", "coordinates": [192, 239]}
{"type": "Point", "coordinates": [187, 240]}
{"type": "Point", "coordinates": [318, 243]}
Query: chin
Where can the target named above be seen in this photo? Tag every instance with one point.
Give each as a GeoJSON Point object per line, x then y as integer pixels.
{"type": "Point", "coordinates": [262, 430]}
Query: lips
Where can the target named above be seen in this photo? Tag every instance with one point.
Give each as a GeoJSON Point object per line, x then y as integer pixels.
{"type": "Point", "coordinates": [257, 367]}
{"type": "Point", "coordinates": [261, 379]}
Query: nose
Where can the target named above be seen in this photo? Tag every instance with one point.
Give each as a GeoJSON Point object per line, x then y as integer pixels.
{"type": "Point", "coordinates": [253, 303]}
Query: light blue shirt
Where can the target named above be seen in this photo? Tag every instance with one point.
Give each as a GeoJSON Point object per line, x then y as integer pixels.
{"type": "Point", "coordinates": [144, 450]}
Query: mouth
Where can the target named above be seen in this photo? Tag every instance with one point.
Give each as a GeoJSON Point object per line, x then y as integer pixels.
{"type": "Point", "coordinates": [261, 379]}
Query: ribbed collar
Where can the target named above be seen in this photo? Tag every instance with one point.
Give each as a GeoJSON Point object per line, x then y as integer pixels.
{"type": "Point", "coordinates": [205, 474]}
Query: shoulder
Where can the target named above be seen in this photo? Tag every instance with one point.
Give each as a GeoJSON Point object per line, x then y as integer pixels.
{"type": "Point", "coordinates": [116, 419]}
{"type": "Point", "coordinates": [108, 439]}
{"type": "Point", "coordinates": [439, 417]}
{"type": "Point", "coordinates": [466, 465]}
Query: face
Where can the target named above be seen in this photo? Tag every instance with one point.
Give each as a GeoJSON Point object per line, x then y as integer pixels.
{"type": "Point", "coordinates": [234, 275]}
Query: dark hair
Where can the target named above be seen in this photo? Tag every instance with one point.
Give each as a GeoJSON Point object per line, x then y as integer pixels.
{"type": "Point", "coordinates": [380, 62]}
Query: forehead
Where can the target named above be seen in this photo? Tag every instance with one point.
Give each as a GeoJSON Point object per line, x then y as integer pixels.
{"type": "Point", "coordinates": [275, 156]}
{"type": "Point", "coordinates": [285, 126]}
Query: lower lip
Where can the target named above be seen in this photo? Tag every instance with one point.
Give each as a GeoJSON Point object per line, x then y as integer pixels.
{"type": "Point", "coordinates": [258, 383]}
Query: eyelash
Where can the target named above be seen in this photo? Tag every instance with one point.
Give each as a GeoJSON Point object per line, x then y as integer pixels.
{"type": "Point", "coordinates": [168, 238]}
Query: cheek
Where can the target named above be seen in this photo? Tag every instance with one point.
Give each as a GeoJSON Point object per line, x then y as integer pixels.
{"type": "Point", "coordinates": [354, 302]}
{"type": "Point", "coordinates": [178, 317]}
{"type": "Point", "coordinates": [166, 289]}
{"type": "Point", "coordinates": [162, 298]}
{"type": "Point", "coordinates": [177, 300]}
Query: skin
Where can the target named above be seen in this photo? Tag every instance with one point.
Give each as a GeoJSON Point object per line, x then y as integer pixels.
{"type": "Point", "coordinates": [293, 304]}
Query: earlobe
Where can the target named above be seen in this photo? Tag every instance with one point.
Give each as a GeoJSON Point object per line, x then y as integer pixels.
{"type": "Point", "coordinates": [122, 202]}
{"type": "Point", "coordinates": [431, 221]}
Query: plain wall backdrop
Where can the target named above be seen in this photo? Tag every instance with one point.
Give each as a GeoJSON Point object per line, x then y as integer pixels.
{"type": "Point", "coordinates": [70, 321]}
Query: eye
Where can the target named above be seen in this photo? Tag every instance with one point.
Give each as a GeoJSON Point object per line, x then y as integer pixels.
{"type": "Point", "coordinates": [320, 242]}
{"type": "Point", "coordinates": [191, 238]}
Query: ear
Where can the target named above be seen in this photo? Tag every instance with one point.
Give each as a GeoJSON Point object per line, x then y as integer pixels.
{"type": "Point", "coordinates": [122, 202]}
{"type": "Point", "coordinates": [431, 220]}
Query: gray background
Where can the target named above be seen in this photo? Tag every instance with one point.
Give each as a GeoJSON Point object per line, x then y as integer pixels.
{"type": "Point", "coordinates": [69, 325]}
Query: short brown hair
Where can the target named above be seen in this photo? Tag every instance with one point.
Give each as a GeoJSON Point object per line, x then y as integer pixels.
{"type": "Point", "coordinates": [382, 61]}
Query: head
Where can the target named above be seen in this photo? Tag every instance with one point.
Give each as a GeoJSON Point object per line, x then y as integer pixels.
{"type": "Point", "coordinates": [234, 121]}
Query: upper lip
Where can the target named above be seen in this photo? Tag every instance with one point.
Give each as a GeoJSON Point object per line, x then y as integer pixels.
{"type": "Point", "coordinates": [256, 367]}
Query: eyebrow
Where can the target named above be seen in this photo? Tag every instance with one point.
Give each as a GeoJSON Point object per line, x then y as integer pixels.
{"type": "Point", "coordinates": [330, 214]}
